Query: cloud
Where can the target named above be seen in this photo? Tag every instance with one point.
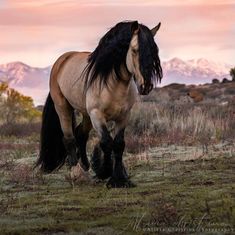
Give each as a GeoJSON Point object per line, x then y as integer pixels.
{"type": "Point", "coordinates": [39, 30]}
{"type": "Point", "coordinates": [30, 3]}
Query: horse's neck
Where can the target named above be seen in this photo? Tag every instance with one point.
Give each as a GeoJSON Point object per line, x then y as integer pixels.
{"type": "Point", "coordinates": [122, 84]}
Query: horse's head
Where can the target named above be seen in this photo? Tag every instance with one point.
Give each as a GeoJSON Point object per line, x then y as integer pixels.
{"type": "Point", "coordinates": [142, 57]}
{"type": "Point", "coordinates": [131, 45]}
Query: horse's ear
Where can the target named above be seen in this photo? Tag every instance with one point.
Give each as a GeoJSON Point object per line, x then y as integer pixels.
{"type": "Point", "coordinates": [155, 29]}
{"type": "Point", "coordinates": [135, 27]}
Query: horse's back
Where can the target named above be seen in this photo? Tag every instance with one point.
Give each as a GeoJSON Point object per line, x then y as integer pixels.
{"type": "Point", "coordinates": [66, 78]}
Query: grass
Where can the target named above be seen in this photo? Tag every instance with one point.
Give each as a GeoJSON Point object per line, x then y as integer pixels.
{"type": "Point", "coordinates": [180, 155]}
{"type": "Point", "coordinates": [195, 194]}
{"type": "Point", "coordinates": [153, 124]}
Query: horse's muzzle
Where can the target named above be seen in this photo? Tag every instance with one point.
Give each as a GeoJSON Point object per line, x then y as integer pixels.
{"type": "Point", "coordinates": [145, 89]}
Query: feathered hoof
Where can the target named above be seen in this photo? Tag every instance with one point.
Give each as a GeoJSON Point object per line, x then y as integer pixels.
{"type": "Point", "coordinates": [96, 180]}
{"type": "Point", "coordinates": [120, 183]}
{"type": "Point", "coordinates": [104, 172]}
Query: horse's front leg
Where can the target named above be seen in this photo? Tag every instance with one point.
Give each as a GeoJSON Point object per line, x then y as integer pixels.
{"type": "Point", "coordinates": [119, 177]}
{"type": "Point", "coordinates": [101, 161]}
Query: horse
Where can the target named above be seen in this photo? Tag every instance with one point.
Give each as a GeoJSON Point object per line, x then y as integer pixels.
{"type": "Point", "coordinates": [102, 86]}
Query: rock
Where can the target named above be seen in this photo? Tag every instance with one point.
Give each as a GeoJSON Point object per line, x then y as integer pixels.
{"type": "Point", "coordinates": [78, 175]}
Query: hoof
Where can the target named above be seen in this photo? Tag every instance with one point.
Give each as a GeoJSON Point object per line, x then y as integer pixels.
{"type": "Point", "coordinates": [119, 183]}
{"type": "Point", "coordinates": [96, 180]}
{"type": "Point", "coordinates": [104, 172]}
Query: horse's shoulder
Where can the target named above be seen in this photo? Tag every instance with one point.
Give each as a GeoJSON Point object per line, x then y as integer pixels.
{"type": "Point", "coordinates": [61, 61]}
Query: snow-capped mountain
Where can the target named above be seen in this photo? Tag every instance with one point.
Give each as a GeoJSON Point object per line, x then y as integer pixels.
{"type": "Point", "coordinates": [34, 81]}
{"type": "Point", "coordinates": [20, 74]}
{"type": "Point", "coordinates": [193, 71]}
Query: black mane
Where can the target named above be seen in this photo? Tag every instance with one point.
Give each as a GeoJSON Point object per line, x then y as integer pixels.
{"type": "Point", "coordinates": [110, 54]}
{"type": "Point", "coordinates": [150, 64]}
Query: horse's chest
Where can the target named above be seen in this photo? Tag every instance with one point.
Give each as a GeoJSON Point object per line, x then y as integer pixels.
{"type": "Point", "coordinates": [116, 110]}
{"type": "Point", "coordinates": [114, 104]}
{"type": "Point", "coordinates": [116, 107]}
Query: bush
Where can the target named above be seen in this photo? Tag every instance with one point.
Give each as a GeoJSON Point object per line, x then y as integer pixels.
{"type": "Point", "coordinates": [19, 129]}
{"type": "Point", "coordinates": [232, 74]}
{"type": "Point", "coordinates": [215, 81]}
{"type": "Point", "coordinates": [225, 80]}
{"type": "Point", "coordinates": [15, 107]}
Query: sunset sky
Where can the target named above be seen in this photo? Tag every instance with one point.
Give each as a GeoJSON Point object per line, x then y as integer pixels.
{"type": "Point", "coordinates": [37, 32]}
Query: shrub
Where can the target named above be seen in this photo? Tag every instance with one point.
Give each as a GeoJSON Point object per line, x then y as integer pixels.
{"type": "Point", "coordinates": [225, 80]}
{"type": "Point", "coordinates": [15, 107]}
{"type": "Point", "coordinates": [232, 73]}
{"type": "Point", "coordinates": [19, 129]}
{"type": "Point", "coordinates": [152, 124]}
{"type": "Point", "coordinates": [196, 95]}
{"type": "Point", "coordinates": [215, 81]}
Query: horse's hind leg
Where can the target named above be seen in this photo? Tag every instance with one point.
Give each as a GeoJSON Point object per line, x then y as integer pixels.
{"type": "Point", "coordinates": [102, 167]}
{"type": "Point", "coordinates": [81, 134]}
{"type": "Point", "coordinates": [65, 113]}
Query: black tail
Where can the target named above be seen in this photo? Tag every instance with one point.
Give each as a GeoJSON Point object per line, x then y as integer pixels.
{"type": "Point", "coordinates": [52, 151]}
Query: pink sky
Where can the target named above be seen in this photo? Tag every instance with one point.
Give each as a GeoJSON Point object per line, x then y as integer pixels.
{"type": "Point", "coordinates": [37, 32]}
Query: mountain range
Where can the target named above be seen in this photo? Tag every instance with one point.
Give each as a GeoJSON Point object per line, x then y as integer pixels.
{"type": "Point", "coordinates": [32, 81]}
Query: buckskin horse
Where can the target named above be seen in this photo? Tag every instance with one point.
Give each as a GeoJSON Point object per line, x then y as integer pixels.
{"type": "Point", "coordinates": [102, 86]}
